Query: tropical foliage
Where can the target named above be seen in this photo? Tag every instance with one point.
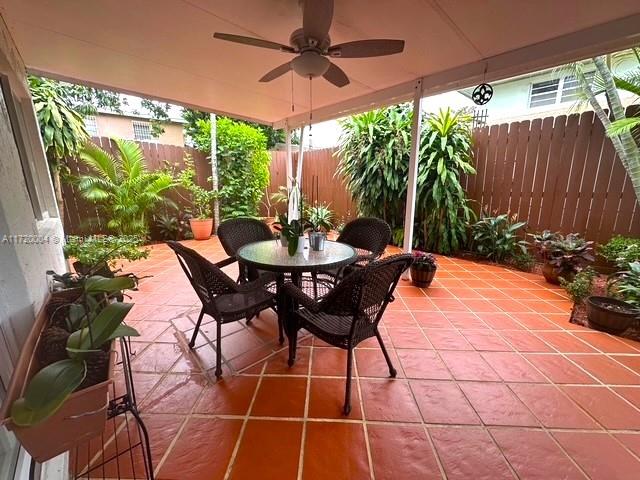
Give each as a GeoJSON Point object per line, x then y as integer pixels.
{"type": "Point", "coordinates": [621, 250]}
{"type": "Point", "coordinates": [122, 187]}
{"type": "Point", "coordinates": [200, 198]}
{"type": "Point", "coordinates": [96, 249]}
{"type": "Point", "coordinates": [496, 238]}
{"type": "Point", "coordinates": [374, 159]}
{"type": "Point", "coordinates": [626, 284]}
{"type": "Point", "coordinates": [243, 164]}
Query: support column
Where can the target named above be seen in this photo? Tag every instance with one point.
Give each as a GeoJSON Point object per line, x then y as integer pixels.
{"type": "Point", "coordinates": [410, 209]}
{"type": "Point", "coordinates": [214, 170]}
{"type": "Point", "coordinates": [300, 158]}
{"type": "Point", "coordinates": [289, 160]}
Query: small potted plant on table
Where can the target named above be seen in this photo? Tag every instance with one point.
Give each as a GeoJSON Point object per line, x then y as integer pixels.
{"type": "Point", "coordinates": [320, 220]}
{"type": "Point", "coordinates": [423, 269]}
{"type": "Point", "coordinates": [200, 200]}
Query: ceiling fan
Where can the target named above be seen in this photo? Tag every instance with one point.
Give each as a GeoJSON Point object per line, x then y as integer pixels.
{"type": "Point", "coordinates": [312, 46]}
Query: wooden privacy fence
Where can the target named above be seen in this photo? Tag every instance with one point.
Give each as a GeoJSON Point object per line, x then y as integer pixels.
{"type": "Point", "coordinates": [321, 166]}
{"type": "Point", "coordinates": [82, 216]}
{"type": "Point", "coordinates": [557, 173]}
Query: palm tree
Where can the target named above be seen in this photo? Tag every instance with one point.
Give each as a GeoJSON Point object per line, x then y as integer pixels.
{"type": "Point", "coordinates": [121, 185]}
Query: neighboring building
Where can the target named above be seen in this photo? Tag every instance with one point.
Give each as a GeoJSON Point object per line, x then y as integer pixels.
{"type": "Point", "coordinates": [134, 123]}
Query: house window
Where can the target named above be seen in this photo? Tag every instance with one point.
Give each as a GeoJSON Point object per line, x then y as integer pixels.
{"type": "Point", "coordinates": [552, 92]}
{"type": "Point", "coordinates": [91, 125]}
{"type": "Point", "coordinates": [142, 131]}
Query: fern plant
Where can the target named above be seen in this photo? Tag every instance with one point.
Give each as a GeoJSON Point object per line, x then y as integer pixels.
{"type": "Point", "coordinates": [122, 187]}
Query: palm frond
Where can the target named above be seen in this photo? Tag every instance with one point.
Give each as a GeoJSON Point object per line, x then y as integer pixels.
{"type": "Point", "coordinates": [102, 162]}
{"type": "Point", "coordinates": [131, 157]}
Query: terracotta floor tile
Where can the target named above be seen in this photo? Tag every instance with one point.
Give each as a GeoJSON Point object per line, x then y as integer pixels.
{"type": "Point", "coordinates": [202, 451]}
{"type": "Point", "coordinates": [497, 405]}
{"type": "Point", "coordinates": [238, 343]}
{"type": "Point", "coordinates": [176, 393]}
{"type": "Point", "coordinates": [229, 396]}
{"type": "Point", "coordinates": [280, 397]}
{"type": "Point", "coordinates": [259, 455]}
{"type": "Point", "coordinates": [513, 367]}
{"type": "Point", "coordinates": [469, 454]}
{"type": "Point", "coordinates": [443, 402]}
{"type": "Point", "coordinates": [143, 383]}
{"type": "Point", "coordinates": [534, 321]}
{"type": "Point", "coordinates": [630, 361]}
{"type": "Point", "coordinates": [416, 304]}
{"type": "Point", "coordinates": [408, 338]}
{"type": "Point", "coordinates": [510, 306]}
{"type": "Point", "coordinates": [545, 306]}
{"type": "Point", "coordinates": [406, 292]}
{"type": "Point", "coordinates": [558, 369]}
{"type": "Point", "coordinates": [447, 339]}
{"type": "Point", "coordinates": [606, 407]}
{"type": "Point", "coordinates": [494, 293]}
{"type": "Point", "coordinates": [388, 400]}
{"type": "Point", "coordinates": [468, 366]}
{"type": "Point", "coordinates": [499, 321]}
{"type": "Point", "coordinates": [565, 342]}
{"type": "Point", "coordinates": [277, 364]}
{"type": "Point", "coordinates": [148, 331]}
{"type": "Point", "coordinates": [481, 305]}
{"type": "Point", "coordinates": [605, 343]}
{"type": "Point", "coordinates": [326, 399]}
{"type": "Point", "coordinates": [606, 370]}
{"type": "Point", "coordinates": [342, 443]}
{"type": "Point", "coordinates": [525, 449]}
{"type": "Point", "coordinates": [437, 292]}
{"type": "Point", "coordinates": [432, 320]}
{"type": "Point", "coordinates": [552, 407]}
{"type": "Point", "coordinates": [631, 441]}
{"type": "Point", "coordinates": [465, 293]}
{"type": "Point", "coordinates": [423, 364]}
{"type": "Point", "coordinates": [329, 362]}
{"type": "Point", "coordinates": [371, 362]}
{"type": "Point", "coordinates": [631, 394]}
{"type": "Point", "coordinates": [524, 341]}
{"type": "Point", "coordinates": [486, 341]}
{"type": "Point", "coordinates": [601, 457]}
{"type": "Point", "coordinates": [450, 305]}
{"type": "Point", "coordinates": [399, 318]}
{"type": "Point", "coordinates": [156, 358]}
{"type": "Point", "coordinates": [402, 452]}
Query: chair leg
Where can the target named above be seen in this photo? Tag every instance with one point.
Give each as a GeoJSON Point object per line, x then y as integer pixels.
{"type": "Point", "coordinates": [392, 371]}
{"type": "Point", "coordinates": [347, 395]}
{"type": "Point", "coordinates": [218, 350]}
{"type": "Point", "coordinates": [280, 330]}
{"type": "Point", "coordinates": [197, 329]}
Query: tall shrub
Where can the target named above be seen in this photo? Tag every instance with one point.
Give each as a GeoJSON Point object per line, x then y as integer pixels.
{"type": "Point", "coordinates": [243, 164]}
{"type": "Point", "coordinates": [374, 159]}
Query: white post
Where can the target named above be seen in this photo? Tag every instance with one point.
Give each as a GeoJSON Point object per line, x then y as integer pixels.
{"type": "Point", "coordinates": [410, 209]}
{"type": "Point", "coordinates": [214, 170]}
{"type": "Point", "coordinates": [289, 160]}
{"type": "Point", "coordinates": [300, 158]}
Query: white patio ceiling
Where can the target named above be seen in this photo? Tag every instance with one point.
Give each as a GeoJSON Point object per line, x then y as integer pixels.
{"type": "Point", "coordinates": [164, 48]}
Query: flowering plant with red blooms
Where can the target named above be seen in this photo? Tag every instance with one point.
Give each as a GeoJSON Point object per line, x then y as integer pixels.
{"type": "Point", "coordinates": [424, 260]}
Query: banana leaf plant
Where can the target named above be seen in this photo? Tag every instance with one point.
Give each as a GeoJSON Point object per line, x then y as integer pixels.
{"type": "Point", "coordinates": [94, 319]}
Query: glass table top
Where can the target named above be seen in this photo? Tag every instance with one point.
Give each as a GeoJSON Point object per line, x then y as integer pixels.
{"type": "Point", "coordinates": [271, 255]}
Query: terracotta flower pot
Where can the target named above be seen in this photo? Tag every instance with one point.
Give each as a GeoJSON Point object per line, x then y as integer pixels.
{"type": "Point", "coordinates": [610, 315]}
{"type": "Point", "coordinates": [201, 229]}
{"type": "Point", "coordinates": [421, 276]}
{"type": "Point", "coordinates": [552, 274]}
{"type": "Point", "coordinates": [83, 415]}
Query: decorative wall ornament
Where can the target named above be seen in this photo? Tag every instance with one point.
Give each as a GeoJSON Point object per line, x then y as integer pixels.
{"type": "Point", "coordinates": [482, 94]}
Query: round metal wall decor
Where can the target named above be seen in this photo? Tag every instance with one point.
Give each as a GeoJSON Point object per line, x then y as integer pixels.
{"type": "Point", "coordinates": [482, 94]}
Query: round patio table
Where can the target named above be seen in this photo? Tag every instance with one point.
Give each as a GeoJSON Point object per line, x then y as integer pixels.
{"type": "Point", "coordinates": [271, 256]}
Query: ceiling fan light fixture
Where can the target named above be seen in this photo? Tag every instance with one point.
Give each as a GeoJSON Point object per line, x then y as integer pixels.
{"type": "Point", "coordinates": [310, 64]}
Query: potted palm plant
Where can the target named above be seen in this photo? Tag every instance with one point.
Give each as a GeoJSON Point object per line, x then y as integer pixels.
{"type": "Point", "coordinates": [59, 392]}
{"type": "Point", "coordinates": [320, 221]}
{"type": "Point", "coordinates": [200, 200]}
{"type": "Point", "coordinates": [423, 269]}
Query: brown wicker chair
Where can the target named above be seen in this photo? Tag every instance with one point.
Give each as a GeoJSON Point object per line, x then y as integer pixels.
{"type": "Point", "coordinates": [222, 298]}
{"type": "Point", "coordinates": [238, 232]}
{"type": "Point", "coordinates": [350, 313]}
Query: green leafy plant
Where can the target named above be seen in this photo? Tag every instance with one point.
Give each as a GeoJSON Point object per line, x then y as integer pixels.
{"type": "Point", "coordinates": [626, 284]}
{"type": "Point", "coordinates": [496, 238]}
{"type": "Point", "coordinates": [199, 198]}
{"type": "Point", "coordinates": [122, 187]}
{"type": "Point", "coordinates": [320, 217]}
{"type": "Point", "coordinates": [569, 254]}
{"type": "Point", "coordinates": [522, 261]}
{"type": "Point", "coordinates": [621, 250]}
{"type": "Point", "coordinates": [581, 286]}
{"type": "Point", "coordinates": [95, 249]}
{"type": "Point", "coordinates": [543, 243]}
{"type": "Point", "coordinates": [173, 226]}
{"type": "Point", "coordinates": [374, 159]}
{"type": "Point", "coordinates": [92, 322]}
{"type": "Point", "coordinates": [292, 230]}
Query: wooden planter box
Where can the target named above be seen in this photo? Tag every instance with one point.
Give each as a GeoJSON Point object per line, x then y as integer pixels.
{"type": "Point", "coordinates": [82, 417]}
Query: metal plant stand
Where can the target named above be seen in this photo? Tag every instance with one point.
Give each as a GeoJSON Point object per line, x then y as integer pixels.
{"type": "Point", "coordinates": [123, 451]}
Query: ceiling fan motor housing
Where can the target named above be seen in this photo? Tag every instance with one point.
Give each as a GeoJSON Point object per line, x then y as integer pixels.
{"type": "Point", "coordinates": [310, 64]}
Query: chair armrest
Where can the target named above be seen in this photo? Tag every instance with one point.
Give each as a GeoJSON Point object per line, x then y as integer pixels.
{"type": "Point", "coordinates": [225, 262]}
{"type": "Point", "coordinates": [293, 292]}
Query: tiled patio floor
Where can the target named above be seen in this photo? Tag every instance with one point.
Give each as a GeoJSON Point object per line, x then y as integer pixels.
{"type": "Point", "coordinates": [493, 382]}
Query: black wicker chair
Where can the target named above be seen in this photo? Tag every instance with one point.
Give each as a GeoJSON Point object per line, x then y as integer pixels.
{"type": "Point", "coordinates": [350, 313]}
{"type": "Point", "coordinates": [222, 298]}
{"type": "Point", "coordinates": [236, 233]}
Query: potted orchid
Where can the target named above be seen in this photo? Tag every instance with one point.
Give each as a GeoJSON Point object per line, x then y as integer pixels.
{"type": "Point", "coordinates": [423, 269]}
{"type": "Point", "coordinates": [291, 226]}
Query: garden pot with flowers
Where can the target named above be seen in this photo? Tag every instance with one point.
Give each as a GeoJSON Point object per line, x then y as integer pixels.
{"type": "Point", "coordinates": [423, 269]}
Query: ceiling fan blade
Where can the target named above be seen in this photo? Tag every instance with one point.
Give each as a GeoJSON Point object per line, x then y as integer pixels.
{"type": "Point", "coordinates": [276, 72]}
{"type": "Point", "coordinates": [367, 48]}
{"type": "Point", "coordinates": [317, 17]}
{"type": "Point", "coordinates": [336, 76]}
{"type": "Point", "coordinates": [254, 42]}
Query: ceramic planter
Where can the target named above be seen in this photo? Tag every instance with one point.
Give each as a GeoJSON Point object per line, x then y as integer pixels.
{"type": "Point", "coordinates": [301, 244]}
{"type": "Point", "coordinates": [201, 229]}
{"type": "Point", "coordinates": [422, 276]}
{"type": "Point", "coordinates": [82, 417]}
{"type": "Point", "coordinates": [609, 314]}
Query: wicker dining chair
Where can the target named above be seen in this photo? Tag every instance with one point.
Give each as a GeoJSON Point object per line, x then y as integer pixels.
{"type": "Point", "coordinates": [222, 298]}
{"type": "Point", "coordinates": [238, 232]}
{"type": "Point", "coordinates": [350, 313]}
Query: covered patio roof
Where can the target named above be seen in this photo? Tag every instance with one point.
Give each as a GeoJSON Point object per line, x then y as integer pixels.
{"type": "Point", "coordinates": [164, 49]}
